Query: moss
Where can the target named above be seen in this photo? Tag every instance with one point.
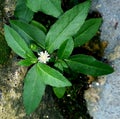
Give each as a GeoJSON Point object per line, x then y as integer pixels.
{"type": "Point", "coordinates": [4, 50]}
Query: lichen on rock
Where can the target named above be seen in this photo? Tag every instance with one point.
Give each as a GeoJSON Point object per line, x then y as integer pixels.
{"type": "Point", "coordinates": [11, 81]}
{"type": "Point", "coordinates": [9, 7]}
{"type": "Point", "coordinates": [92, 95]}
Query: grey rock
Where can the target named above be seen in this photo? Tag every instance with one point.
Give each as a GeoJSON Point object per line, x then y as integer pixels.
{"type": "Point", "coordinates": [110, 12]}
{"type": "Point", "coordinates": [105, 100]}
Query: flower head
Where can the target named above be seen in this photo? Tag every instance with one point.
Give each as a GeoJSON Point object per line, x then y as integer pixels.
{"type": "Point", "coordinates": [43, 57]}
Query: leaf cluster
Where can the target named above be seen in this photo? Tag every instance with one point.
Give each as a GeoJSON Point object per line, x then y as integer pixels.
{"type": "Point", "coordinates": [27, 37]}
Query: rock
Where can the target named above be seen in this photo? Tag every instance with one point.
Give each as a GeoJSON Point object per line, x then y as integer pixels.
{"type": "Point", "coordinates": [11, 83]}
{"type": "Point", "coordinates": [103, 99]}
{"type": "Point", "coordinates": [11, 88]}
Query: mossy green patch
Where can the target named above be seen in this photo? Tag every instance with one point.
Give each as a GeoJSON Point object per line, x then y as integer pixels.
{"type": "Point", "coordinates": [4, 50]}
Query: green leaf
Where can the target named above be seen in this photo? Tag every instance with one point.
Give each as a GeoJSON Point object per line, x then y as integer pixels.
{"type": "Point", "coordinates": [30, 33]}
{"type": "Point", "coordinates": [17, 44]}
{"type": "Point", "coordinates": [35, 47]}
{"type": "Point", "coordinates": [22, 12]}
{"type": "Point", "coordinates": [34, 89]}
{"type": "Point", "coordinates": [87, 31]}
{"type": "Point", "coordinates": [66, 49]}
{"type": "Point", "coordinates": [39, 25]}
{"type": "Point", "coordinates": [51, 76]}
{"type": "Point", "coordinates": [50, 7]}
{"type": "Point", "coordinates": [88, 65]}
{"type": "Point", "coordinates": [60, 64]}
{"type": "Point", "coordinates": [59, 92]}
{"type": "Point", "coordinates": [66, 26]}
{"type": "Point", "coordinates": [27, 62]}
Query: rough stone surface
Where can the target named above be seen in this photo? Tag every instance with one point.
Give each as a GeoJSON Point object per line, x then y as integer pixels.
{"type": "Point", "coordinates": [103, 100]}
{"type": "Point", "coordinates": [11, 103]}
{"type": "Point", "coordinates": [11, 78]}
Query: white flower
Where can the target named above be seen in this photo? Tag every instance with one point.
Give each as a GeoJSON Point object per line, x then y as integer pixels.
{"type": "Point", "coordinates": [43, 57]}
